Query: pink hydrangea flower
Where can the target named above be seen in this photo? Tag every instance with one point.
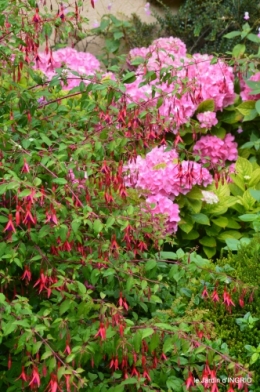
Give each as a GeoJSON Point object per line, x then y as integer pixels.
{"type": "Point", "coordinates": [216, 151]}
{"type": "Point", "coordinates": [161, 173]}
{"type": "Point", "coordinates": [207, 119]}
{"type": "Point", "coordinates": [81, 62]}
{"type": "Point", "coordinates": [165, 206]}
{"type": "Point", "coordinates": [199, 73]}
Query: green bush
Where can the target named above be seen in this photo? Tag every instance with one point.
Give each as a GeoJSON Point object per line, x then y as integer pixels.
{"type": "Point", "coordinates": [202, 24]}
{"type": "Point", "coordinates": [241, 266]}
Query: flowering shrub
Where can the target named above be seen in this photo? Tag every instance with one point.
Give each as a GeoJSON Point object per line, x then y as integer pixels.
{"type": "Point", "coordinates": [83, 64]}
{"type": "Point", "coordinates": [90, 299]}
{"type": "Point", "coordinates": [215, 151]}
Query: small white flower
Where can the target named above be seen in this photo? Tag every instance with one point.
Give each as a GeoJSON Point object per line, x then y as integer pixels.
{"type": "Point", "coordinates": [246, 16]}
{"type": "Point", "coordinates": [96, 24]}
{"type": "Point", "coordinates": [209, 197]}
{"type": "Point", "coordinates": [247, 177]}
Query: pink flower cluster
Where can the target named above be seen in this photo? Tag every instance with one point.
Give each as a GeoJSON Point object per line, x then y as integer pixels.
{"type": "Point", "coordinates": [164, 178]}
{"type": "Point", "coordinates": [165, 206]}
{"type": "Point", "coordinates": [246, 90]}
{"type": "Point", "coordinates": [83, 63]}
{"type": "Point", "coordinates": [207, 119]}
{"type": "Point", "coordinates": [216, 151]}
{"type": "Point", "coordinates": [181, 98]}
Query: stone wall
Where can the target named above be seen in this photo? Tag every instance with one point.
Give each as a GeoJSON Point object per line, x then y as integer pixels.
{"type": "Point", "coordinates": [122, 9]}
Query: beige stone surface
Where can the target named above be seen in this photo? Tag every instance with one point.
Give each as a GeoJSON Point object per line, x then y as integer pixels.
{"type": "Point", "coordinates": [122, 9]}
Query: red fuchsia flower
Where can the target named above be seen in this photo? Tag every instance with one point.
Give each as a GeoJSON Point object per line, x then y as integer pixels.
{"type": "Point", "coordinates": [200, 334]}
{"type": "Point", "coordinates": [230, 389]}
{"type": "Point", "coordinates": [214, 296]}
{"type": "Point", "coordinates": [35, 381]}
{"type": "Point", "coordinates": [163, 357]}
{"type": "Point", "coordinates": [27, 275]}
{"type": "Point", "coordinates": [51, 217]}
{"type": "Point", "coordinates": [53, 384]}
{"type": "Point", "coordinates": [101, 332]}
{"type": "Point", "coordinates": [10, 226]}
{"type": "Point", "coordinates": [36, 18]}
{"type": "Point", "coordinates": [31, 197]}
{"type": "Point", "coordinates": [18, 214]}
{"type": "Point", "coordinates": [41, 281]}
{"type": "Point", "coordinates": [67, 348]}
{"type": "Point", "coordinates": [190, 381]}
{"type": "Point", "coordinates": [214, 388]}
{"type": "Point", "coordinates": [205, 293]}
{"type": "Point", "coordinates": [227, 300]}
{"type": "Point", "coordinates": [22, 376]}
{"type": "Point", "coordinates": [206, 375]}
{"type": "Point", "coordinates": [241, 301]}
{"type": "Point", "coordinates": [114, 245]}
{"type": "Point", "coordinates": [28, 219]}
{"type": "Point", "coordinates": [135, 372]}
{"type": "Point", "coordinates": [114, 364]}
{"type": "Point", "coordinates": [122, 302]}
{"type": "Point", "coordinates": [25, 168]}
{"type": "Point", "coordinates": [146, 375]}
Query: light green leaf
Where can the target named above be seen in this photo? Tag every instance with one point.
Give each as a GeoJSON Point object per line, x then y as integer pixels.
{"type": "Point", "coordinates": [201, 218]}
{"type": "Point", "coordinates": [146, 332]}
{"type": "Point", "coordinates": [221, 221]}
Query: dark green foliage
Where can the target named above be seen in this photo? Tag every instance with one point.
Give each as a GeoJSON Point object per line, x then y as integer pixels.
{"type": "Point", "coordinates": [202, 24]}
{"type": "Point", "coordinates": [143, 33]}
{"type": "Point", "coordinates": [245, 266]}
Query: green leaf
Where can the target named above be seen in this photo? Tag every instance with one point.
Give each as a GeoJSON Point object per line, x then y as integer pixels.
{"type": "Point", "coordinates": [130, 381]}
{"type": "Point", "coordinates": [209, 252]}
{"type": "Point", "coordinates": [97, 226]}
{"type": "Point", "coordinates": [229, 234]}
{"type": "Point", "coordinates": [257, 106]}
{"type": "Point", "coordinates": [60, 181]}
{"type": "Point", "coordinates": [246, 107]}
{"type": "Point", "coordinates": [46, 355]}
{"type": "Point", "coordinates": [248, 217]}
{"type": "Point", "coordinates": [232, 244]}
{"type": "Point", "coordinates": [231, 117]}
{"type": "Point", "coordinates": [221, 221]}
{"type": "Point", "coordinates": [167, 256]}
{"type": "Point", "coordinates": [65, 306]}
{"type": "Point", "coordinates": [146, 332]}
{"type": "Point", "coordinates": [195, 193]}
{"type": "Point", "coordinates": [8, 328]}
{"type": "Point", "coordinates": [192, 235]}
{"type": "Point", "coordinates": [130, 77]}
{"type": "Point", "coordinates": [254, 358]}
{"type": "Point", "coordinates": [110, 222]}
{"type": "Point", "coordinates": [206, 106]}
{"type": "Point", "coordinates": [150, 265]}
{"type": "Point", "coordinates": [168, 345]}
{"type": "Point", "coordinates": [255, 194]}
{"type": "Point", "coordinates": [239, 50]}
{"type": "Point", "coordinates": [253, 38]}
{"type": "Point", "coordinates": [244, 167]}
{"type": "Point", "coordinates": [155, 341]}
{"type": "Point", "coordinates": [201, 219]}
{"type": "Point", "coordinates": [210, 242]}
{"type": "Point", "coordinates": [232, 34]}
